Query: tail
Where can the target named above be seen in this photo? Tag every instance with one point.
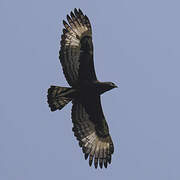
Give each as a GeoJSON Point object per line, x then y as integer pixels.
{"type": "Point", "coordinates": [57, 97]}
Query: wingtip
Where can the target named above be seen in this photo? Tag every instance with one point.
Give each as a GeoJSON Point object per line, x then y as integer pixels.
{"type": "Point", "coordinates": [105, 163]}
{"type": "Point", "coordinates": [109, 159]}
{"type": "Point", "coordinates": [72, 14]}
{"type": "Point", "coordinates": [96, 163]}
{"type": "Point", "coordinates": [90, 160]}
{"type": "Point", "coordinates": [101, 163]}
{"type": "Point", "coordinates": [68, 17]}
{"type": "Point", "coordinates": [64, 22]}
{"type": "Point", "coordinates": [86, 156]}
{"type": "Point", "coordinates": [75, 10]}
{"type": "Point", "coordinates": [80, 11]}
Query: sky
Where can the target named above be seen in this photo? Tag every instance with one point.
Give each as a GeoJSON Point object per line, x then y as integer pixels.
{"type": "Point", "coordinates": [136, 45]}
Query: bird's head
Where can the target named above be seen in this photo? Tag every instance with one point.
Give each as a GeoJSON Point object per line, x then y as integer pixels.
{"type": "Point", "coordinates": [106, 86]}
{"type": "Point", "coordinates": [111, 85]}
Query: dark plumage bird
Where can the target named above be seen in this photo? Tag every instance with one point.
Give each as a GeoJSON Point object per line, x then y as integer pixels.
{"type": "Point", "coordinates": [76, 57]}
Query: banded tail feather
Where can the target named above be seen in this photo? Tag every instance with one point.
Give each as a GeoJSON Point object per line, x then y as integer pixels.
{"type": "Point", "coordinates": [58, 97]}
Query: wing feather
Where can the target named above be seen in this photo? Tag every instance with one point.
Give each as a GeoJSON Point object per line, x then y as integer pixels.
{"type": "Point", "coordinates": [77, 48]}
{"type": "Point", "coordinates": [87, 123]}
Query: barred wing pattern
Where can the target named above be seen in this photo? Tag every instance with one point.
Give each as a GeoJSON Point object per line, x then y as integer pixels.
{"type": "Point", "coordinates": [91, 130]}
{"type": "Point", "coordinates": [76, 53]}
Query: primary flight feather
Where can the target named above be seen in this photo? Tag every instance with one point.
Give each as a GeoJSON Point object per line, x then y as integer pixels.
{"type": "Point", "coordinates": [76, 57]}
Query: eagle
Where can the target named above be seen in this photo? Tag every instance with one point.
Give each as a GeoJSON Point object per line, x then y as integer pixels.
{"type": "Point", "coordinates": [76, 57]}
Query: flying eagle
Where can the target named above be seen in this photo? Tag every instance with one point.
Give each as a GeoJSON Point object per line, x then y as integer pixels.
{"type": "Point", "coordinates": [76, 57]}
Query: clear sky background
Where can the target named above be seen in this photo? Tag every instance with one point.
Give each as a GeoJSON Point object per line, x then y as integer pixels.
{"type": "Point", "coordinates": [137, 46]}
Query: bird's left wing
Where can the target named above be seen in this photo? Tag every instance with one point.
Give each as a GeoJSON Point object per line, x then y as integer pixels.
{"type": "Point", "coordinates": [91, 130]}
{"type": "Point", "coordinates": [76, 53]}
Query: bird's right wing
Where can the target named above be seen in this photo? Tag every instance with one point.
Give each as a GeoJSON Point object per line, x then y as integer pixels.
{"type": "Point", "coordinates": [91, 130]}
{"type": "Point", "coordinates": [76, 53]}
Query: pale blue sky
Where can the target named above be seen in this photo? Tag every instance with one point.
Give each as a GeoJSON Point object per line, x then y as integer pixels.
{"type": "Point", "coordinates": [137, 46]}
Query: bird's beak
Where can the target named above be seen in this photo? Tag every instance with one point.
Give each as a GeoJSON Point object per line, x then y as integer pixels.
{"type": "Point", "coordinates": [115, 86]}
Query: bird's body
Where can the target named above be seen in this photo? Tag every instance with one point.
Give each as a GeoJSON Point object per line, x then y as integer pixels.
{"type": "Point", "coordinates": [76, 57]}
